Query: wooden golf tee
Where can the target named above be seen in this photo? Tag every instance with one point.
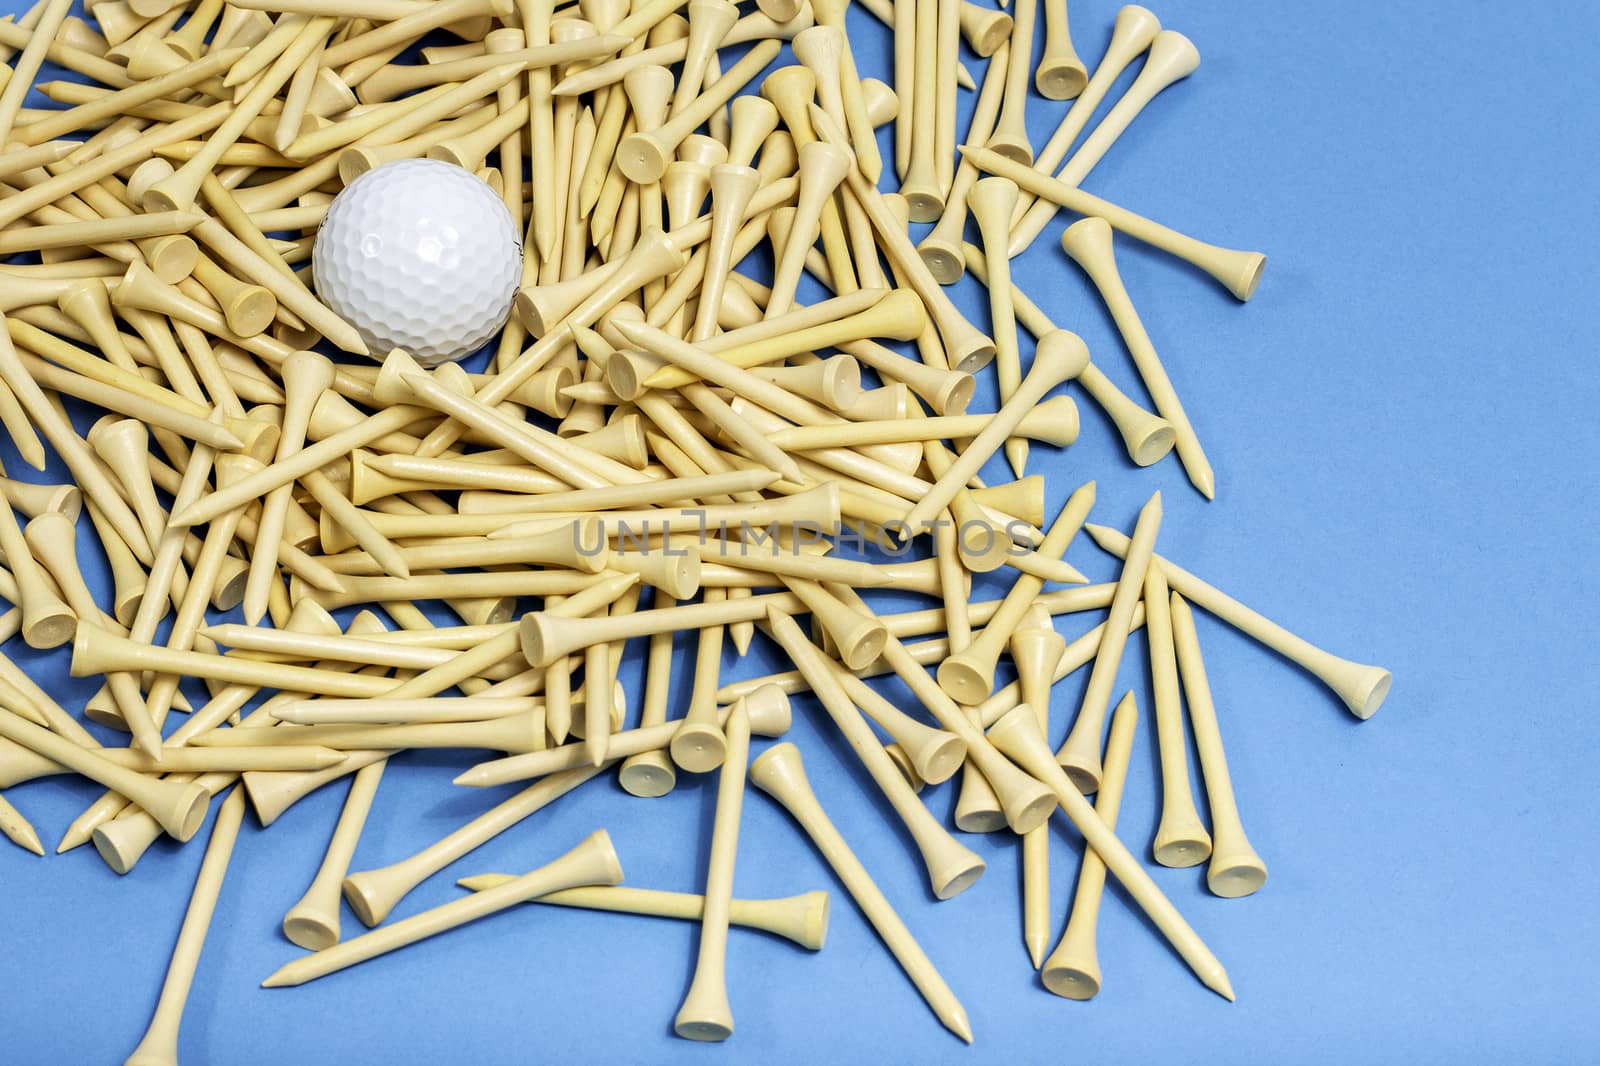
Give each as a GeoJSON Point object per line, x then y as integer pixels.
{"type": "Point", "coordinates": [1131, 34]}
{"type": "Point", "coordinates": [1172, 58]}
{"type": "Point", "coordinates": [966, 348]}
{"type": "Point", "coordinates": [372, 894]}
{"type": "Point", "coordinates": [654, 256]}
{"type": "Point", "coordinates": [1235, 869]}
{"type": "Point", "coordinates": [1054, 421]}
{"type": "Point", "coordinates": [86, 471]}
{"type": "Point", "coordinates": [122, 445]}
{"type": "Point", "coordinates": [180, 808]}
{"type": "Point", "coordinates": [731, 189]}
{"type": "Point", "coordinates": [649, 95]}
{"type": "Point", "coordinates": [19, 160]}
{"type": "Point", "coordinates": [121, 102]}
{"type": "Point", "coordinates": [305, 377]}
{"type": "Point", "coordinates": [1079, 754]}
{"type": "Point", "coordinates": [863, 138]}
{"type": "Point", "coordinates": [597, 709]}
{"type": "Point", "coordinates": [230, 700]}
{"type": "Point", "coordinates": [984, 29]}
{"type": "Point", "coordinates": [978, 807]}
{"type": "Point", "coordinates": [20, 427]}
{"type": "Point", "coordinates": [1363, 688]}
{"type": "Point", "coordinates": [1025, 803]}
{"type": "Point", "coordinates": [15, 91]}
{"type": "Point", "coordinates": [1036, 648]}
{"type": "Point", "coordinates": [1072, 970]}
{"type": "Point", "coordinates": [941, 248]}
{"type": "Point", "coordinates": [1017, 735]}
{"type": "Point", "coordinates": [88, 303]}
{"type": "Point", "coordinates": [1088, 242]}
{"type": "Point", "coordinates": [508, 99]}
{"type": "Point", "coordinates": [203, 580]}
{"type": "Point", "coordinates": [251, 262]}
{"type": "Point", "coordinates": [101, 231]}
{"type": "Point", "coordinates": [34, 500]}
{"type": "Point", "coordinates": [821, 49]}
{"type": "Point", "coordinates": [653, 773]}
{"type": "Point", "coordinates": [952, 866]}
{"type": "Point", "coordinates": [294, 757]}
{"type": "Point", "coordinates": [178, 191]}
{"type": "Point", "coordinates": [592, 862]}
{"type": "Point", "coordinates": [545, 638]}
{"type": "Point", "coordinates": [935, 754]}
{"type": "Point", "coordinates": [18, 829]}
{"type": "Point", "coordinates": [96, 651]}
{"type": "Point", "coordinates": [118, 401]}
{"type": "Point", "coordinates": [752, 119]}
{"type": "Point", "coordinates": [47, 621]}
{"type": "Point", "coordinates": [903, 23]}
{"type": "Point", "coordinates": [802, 919]}
{"type": "Point", "coordinates": [705, 1013]}
{"type": "Point", "coordinates": [402, 119]}
{"type": "Point", "coordinates": [535, 18]}
{"type": "Point", "coordinates": [159, 1047]}
{"type": "Point", "coordinates": [947, 43]}
{"type": "Point", "coordinates": [857, 635]}
{"type": "Point", "coordinates": [122, 841]}
{"type": "Point", "coordinates": [780, 10]}
{"type": "Point", "coordinates": [1238, 271]}
{"type": "Point", "coordinates": [1147, 436]}
{"type": "Point", "coordinates": [380, 711]}
{"type": "Point", "coordinates": [990, 203]}
{"type": "Point", "coordinates": [1060, 74]}
{"type": "Point", "coordinates": [394, 80]}
{"type": "Point", "coordinates": [699, 745]}
{"type": "Point", "coordinates": [834, 381]}
{"type": "Point", "coordinates": [767, 709]}
{"type": "Point", "coordinates": [822, 168]}
{"type": "Point", "coordinates": [1010, 136]}
{"type": "Point", "coordinates": [547, 451]}
{"type": "Point", "coordinates": [839, 322]}
{"type": "Point", "coordinates": [1059, 357]}
{"type": "Point", "coordinates": [709, 23]}
{"type": "Point", "coordinates": [1181, 838]}
{"type": "Point", "coordinates": [313, 922]}
{"type": "Point", "coordinates": [920, 180]}
{"type": "Point", "coordinates": [780, 773]}
{"type": "Point", "coordinates": [478, 658]}
{"type": "Point", "coordinates": [643, 157]}
{"type": "Point", "coordinates": [34, 705]}
{"type": "Point", "coordinates": [968, 675]}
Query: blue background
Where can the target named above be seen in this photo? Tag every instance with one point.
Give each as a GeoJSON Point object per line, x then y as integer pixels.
{"type": "Point", "coordinates": [1402, 422]}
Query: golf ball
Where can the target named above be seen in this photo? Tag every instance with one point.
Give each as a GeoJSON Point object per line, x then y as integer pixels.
{"type": "Point", "coordinates": [419, 254]}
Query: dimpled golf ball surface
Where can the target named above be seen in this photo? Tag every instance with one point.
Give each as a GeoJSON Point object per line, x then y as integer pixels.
{"type": "Point", "coordinates": [421, 255]}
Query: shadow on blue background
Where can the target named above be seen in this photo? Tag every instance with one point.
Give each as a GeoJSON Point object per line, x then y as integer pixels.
{"type": "Point", "coordinates": [1402, 422]}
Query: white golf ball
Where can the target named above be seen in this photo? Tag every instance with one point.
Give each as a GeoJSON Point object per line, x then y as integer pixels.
{"type": "Point", "coordinates": [419, 254]}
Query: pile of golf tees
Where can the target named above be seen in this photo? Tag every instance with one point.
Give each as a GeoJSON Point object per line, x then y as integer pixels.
{"type": "Point", "coordinates": [659, 444]}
